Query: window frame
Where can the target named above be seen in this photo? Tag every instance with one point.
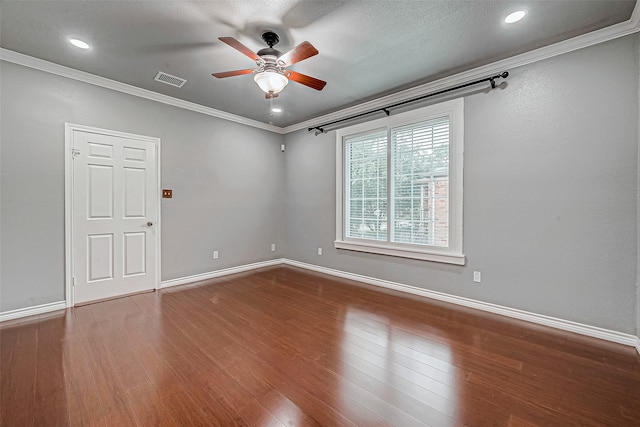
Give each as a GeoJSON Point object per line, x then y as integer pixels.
{"type": "Point", "coordinates": [453, 254]}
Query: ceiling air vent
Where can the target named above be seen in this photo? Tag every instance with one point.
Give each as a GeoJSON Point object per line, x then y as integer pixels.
{"type": "Point", "coordinates": [169, 79]}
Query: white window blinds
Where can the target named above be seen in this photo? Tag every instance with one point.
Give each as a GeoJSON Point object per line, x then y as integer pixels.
{"type": "Point", "coordinates": [420, 176]}
{"type": "Point", "coordinates": [399, 184]}
{"type": "Point", "coordinates": [366, 189]}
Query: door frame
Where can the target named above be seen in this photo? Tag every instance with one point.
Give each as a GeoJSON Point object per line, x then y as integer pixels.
{"type": "Point", "coordinates": [69, 251]}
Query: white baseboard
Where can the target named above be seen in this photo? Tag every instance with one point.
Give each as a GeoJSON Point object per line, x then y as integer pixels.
{"type": "Point", "coordinates": [61, 305]}
{"type": "Point", "coordinates": [219, 273]}
{"type": "Point", "coordinates": [565, 325]}
{"type": "Point", "coordinates": [32, 311]}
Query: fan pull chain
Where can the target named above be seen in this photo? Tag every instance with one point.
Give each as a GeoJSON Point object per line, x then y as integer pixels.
{"type": "Point", "coordinates": [270, 110]}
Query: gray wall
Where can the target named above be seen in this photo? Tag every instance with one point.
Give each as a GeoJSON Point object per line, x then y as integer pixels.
{"type": "Point", "coordinates": [550, 194]}
{"type": "Point", "coordinates": [227, 178]}
{"type": "Point", "coordinates": [550, 198]}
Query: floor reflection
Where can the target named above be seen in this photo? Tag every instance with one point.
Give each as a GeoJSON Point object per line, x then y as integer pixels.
{"type": "Point", "coordinates": [397, 370]}
{"type": "Point", "coordinates": [282, 347]}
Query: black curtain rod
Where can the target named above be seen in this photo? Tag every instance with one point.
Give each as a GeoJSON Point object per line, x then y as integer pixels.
{"type": "Point", "coordinates": [492, 79]}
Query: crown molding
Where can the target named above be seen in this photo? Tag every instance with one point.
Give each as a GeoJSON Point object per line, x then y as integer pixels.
{"type": "Point", "coordinates": [579, 42]}
{"type": "Point", "coordinates": [595, 37]}
{"type": "Point", "coordinates": [71, 73]}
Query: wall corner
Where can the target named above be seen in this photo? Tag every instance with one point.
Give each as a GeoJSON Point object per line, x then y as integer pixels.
{"type": "Point", "coordinates": [638, 199]}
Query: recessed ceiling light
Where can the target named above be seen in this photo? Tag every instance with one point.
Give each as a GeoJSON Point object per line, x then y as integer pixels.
{"type": "Point", "coordinates": [79, 43]}
{"type": "Point", "coordinates": [276, 110]}
{"type": "Point", "coordinates": [515, 16]}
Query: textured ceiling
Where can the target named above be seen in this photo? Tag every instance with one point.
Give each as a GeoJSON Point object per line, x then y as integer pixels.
{"type": "Point", "coordinates": [367, 48]}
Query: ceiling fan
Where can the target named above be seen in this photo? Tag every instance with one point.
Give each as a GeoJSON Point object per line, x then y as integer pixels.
{"type": "Point", "coordinates": [271, 74]}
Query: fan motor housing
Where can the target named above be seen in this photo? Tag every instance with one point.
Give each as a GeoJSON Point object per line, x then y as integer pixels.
{"type": "Point", "coordinates": [271, 39]}
{"type": "Point", "coordinates": [269, 51]}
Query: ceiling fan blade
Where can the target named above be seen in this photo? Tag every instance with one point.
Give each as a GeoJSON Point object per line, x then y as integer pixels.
{"type": "Point", "coordinates": [239, 47]}
{"type": "Point", "coordinates": [232, 73]}
{"type": "Point", "coordinates": [312, 82]}
{"type": "Point", "coordinates": [301, 52]}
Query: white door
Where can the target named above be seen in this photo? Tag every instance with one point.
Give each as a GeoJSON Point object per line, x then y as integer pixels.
{"type": "Point", "coordinates": [115, 210]}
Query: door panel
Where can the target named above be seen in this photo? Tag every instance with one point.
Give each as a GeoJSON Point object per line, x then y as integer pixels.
{"type": "Point", "coordinates": [134, 192]}
{"type": "Point", "coordinates": [100, 191]}
{"type": "Point", "coordinates": [135, 154]}
{"type": "Point", "coordinates": [114, 215]}
{"type": "Point", "coordinates": [135, 253]}
{"type": "Point", "coordinates": [100, 257]}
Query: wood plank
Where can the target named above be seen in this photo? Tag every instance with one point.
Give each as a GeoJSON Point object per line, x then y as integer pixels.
{"type": "Point", "coordinates": [148, 406]}
{"type": "Point", "coordinates": [254, 414]}
{"type": "Point", "coordinates": [284, 346]}
{"type": "Point", "coordinates": [285, 410]}
{"type": "Point", "coordinates": [51, 407]}
{"type": "Point", "coordinates": [128, 366]}
{"type": "Point", "coordinates": [19, 377]}
{"type": "Point", "coordinates": [116, 408]}
{"type": "Point", "coordinates": [83, 398]}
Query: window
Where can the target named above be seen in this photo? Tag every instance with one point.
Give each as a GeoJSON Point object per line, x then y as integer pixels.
{"type": "Point", "coordinates": [400, 184]}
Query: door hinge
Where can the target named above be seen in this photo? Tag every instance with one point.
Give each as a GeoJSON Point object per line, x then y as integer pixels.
{"type": "Point", "coordinates": [73, 282]}
{"type": "Point", "coordinates": [75, 152]}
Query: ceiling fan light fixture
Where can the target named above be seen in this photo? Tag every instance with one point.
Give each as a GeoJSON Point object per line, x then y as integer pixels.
{"type": "Point", "coordinates": [271, 81]}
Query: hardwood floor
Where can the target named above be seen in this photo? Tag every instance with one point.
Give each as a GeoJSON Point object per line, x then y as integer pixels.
{"type": "Point", "coordinates": [288, 347]}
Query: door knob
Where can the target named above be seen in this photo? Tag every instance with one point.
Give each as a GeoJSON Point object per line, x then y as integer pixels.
{"type": "Point", "coordinates": [149, 223]}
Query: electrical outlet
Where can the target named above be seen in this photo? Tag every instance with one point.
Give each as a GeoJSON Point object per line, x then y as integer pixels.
{"type": "Point", "coordinates": [215, 254]}
{"type": "Point", "coordinates": [320, 251]}
{"type": "Point", "coordinates": [477, 276]}
{"type": "Point", "coordinates": [273, 247]}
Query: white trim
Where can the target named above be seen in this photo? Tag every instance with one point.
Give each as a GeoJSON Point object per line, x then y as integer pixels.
{"type": "Point", "coordinates": [68, 217]}
{"type": "Point", "coordinates": [60, 70]}
{"type": "Point", "coordinates": [595, 37]}
{"type": "Point", "coordinates": [69, 128]}
{"type": "Point", "coordinates": [599, 36]}
{"type": "Point", "coordinates": [159, 213]}
{"type": "Point", "coordinates": [454, 110]}
{"type": "Point", "coordinates": [397, 251]}
{"type": "Point", "coordinates": [637, 12]}
{"type": "Point", "coordinates": [565, 325]}
{"type": "Point", "coordinates": [32, 311]}
{"type": "Point", "coordinates": [219, 273]}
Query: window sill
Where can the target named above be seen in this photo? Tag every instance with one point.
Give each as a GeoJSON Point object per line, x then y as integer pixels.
{"type": "Point", "coordinates": [398, 251]}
